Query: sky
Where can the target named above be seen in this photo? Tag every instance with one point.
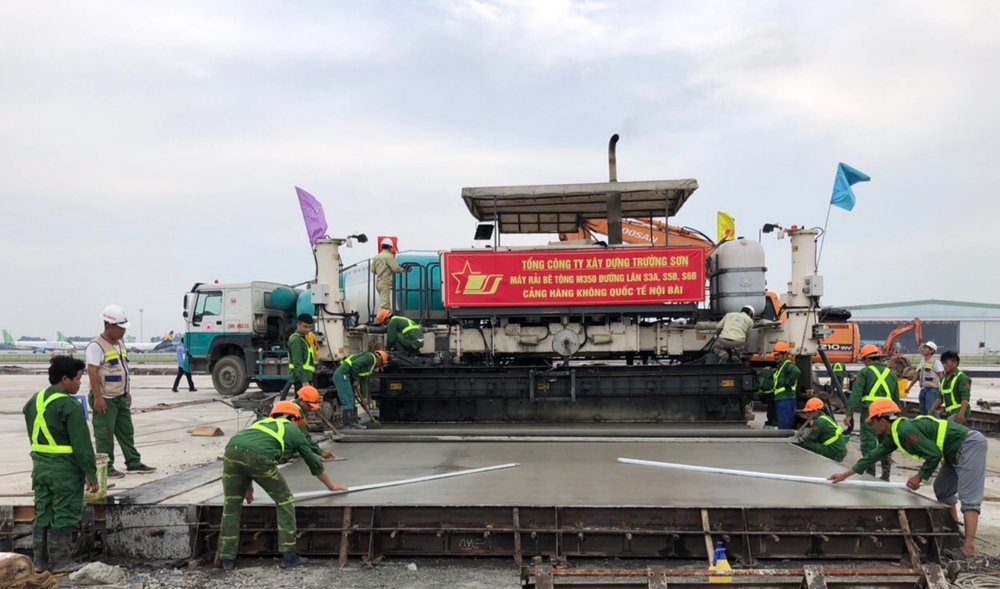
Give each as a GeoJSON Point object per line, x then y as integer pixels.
{"type": "Point", "coordinates": [146, 146]}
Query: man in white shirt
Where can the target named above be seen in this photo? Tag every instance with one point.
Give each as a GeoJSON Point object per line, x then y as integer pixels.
{"type": "Point", "coordinates": [929, 373]}
{"type": "Point", "coordinates": [732, 334]}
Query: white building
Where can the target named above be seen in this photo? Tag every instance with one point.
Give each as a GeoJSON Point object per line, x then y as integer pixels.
{"type": "Point", "coordinates": [974, 328]}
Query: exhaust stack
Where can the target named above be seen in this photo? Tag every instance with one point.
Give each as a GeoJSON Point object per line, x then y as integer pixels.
{"type": "Point", "coordinates": [614, 198]}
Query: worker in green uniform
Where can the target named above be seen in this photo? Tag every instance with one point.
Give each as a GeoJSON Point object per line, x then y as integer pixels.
{"type": "Point", "coordinates": [765, 392]}
{"type": "Point", "coordinates": [403, 335]}
{"type": "Point", "coordinates": [962, 476]}
{"type": "Point", "coordinates": [253, 456]}
{"type": "Point", "coordinates": [301, 357]}
{"type": "Point", "coordinates": [307, 399]}
{"type": "Point", "coordinates": [351, 378]}
{"type": "Point", "coordinates": [839, 372]}
{"type": "Point", "coordinates": [62, 465]}
{"type": "Point", "coordinates": [786, 382]}
{"type": "Point", "coordinates": [824, 436]}
{"type": "Point", "coordinates": [956, 390]}
{"type": "Point", "coordinates": [874, 381]}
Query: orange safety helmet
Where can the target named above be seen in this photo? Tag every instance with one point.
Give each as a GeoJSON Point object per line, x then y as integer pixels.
{"type": "Point", "coordinates": [383, 316]}
{"type": "Point", "coordinates": [286, 408]}
{"type": "Point", "coordinates": [870, 350]}
{"type": "Point", "coordinates": [310, 396]}
{"type": "Point", "coordinates": [781, 347]}
{"type": "Point", "coordinates": [814, 404]}
{"type": "Point", "coordinates": [383, 355]}
{"type": "Point", "coordinates": [880, 407]}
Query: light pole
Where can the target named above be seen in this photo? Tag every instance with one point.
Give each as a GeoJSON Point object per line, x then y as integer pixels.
{"type": "Point", "coordinates": [141, 338]}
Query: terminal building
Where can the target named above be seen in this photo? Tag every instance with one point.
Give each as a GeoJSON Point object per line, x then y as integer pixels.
{"type": "Point", "coordinates": [970, 328]}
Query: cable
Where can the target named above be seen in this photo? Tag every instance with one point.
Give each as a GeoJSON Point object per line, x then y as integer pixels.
{"type": "Point", "coordinates": [976, 581]}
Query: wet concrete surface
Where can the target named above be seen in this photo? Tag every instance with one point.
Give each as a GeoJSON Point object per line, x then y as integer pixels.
{"type": "Point", "coordinates": [586, 474]}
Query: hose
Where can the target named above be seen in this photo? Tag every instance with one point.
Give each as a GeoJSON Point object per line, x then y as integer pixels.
{"type": "Point", "coordinates": [976, 581]}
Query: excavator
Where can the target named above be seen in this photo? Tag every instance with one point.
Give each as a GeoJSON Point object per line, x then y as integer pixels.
{"type": "Point", "coordinates": [841, 346]}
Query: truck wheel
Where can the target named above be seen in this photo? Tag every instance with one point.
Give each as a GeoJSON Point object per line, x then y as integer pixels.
{"type": "Point", "coordinates": [271, 386]}
{"type": "Point", "coordinates": [229, 376]}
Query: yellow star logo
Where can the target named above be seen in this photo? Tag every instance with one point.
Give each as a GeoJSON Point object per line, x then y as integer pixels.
{"type": "Point", "coordinates": [468, 282]}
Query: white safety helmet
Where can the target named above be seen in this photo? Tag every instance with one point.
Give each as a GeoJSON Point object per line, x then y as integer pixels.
{"type": "Point", "coordinates": [750, 308]}
{"type": "Point", "coordinates": [386, 242]}
{"type": "Point", "coordinates": [115, 315]}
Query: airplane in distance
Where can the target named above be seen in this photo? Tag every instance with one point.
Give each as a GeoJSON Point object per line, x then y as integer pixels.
{"type": "Point", "coordinates": [39, 346]}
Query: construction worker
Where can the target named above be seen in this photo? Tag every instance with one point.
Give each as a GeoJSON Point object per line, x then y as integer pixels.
{"type": "Point", "coordinates": [839, 372]}
{"type": "Point", "coordinates": [784, 384]}
{"type": "Point", "coordinates": [765, 392]}
{"type": "Point", "coordinates": [403, 335]}
{"type": "Point", "coordinates": [384, 265]}
{"type": "Point", "coordinates": [62, 464]}
{"type": "Point", "coordinates": [183, 368]}
{"type": "Point", "coordinates": [731, 334]}
{"type": "Point", "coordinates": [253, 456]}
{"type": "Point", "coordinates": [111, 393]}
{"type": "Point", "coordinates": [307, 399]}
{"type": "Point", "coordinates": [956, 390]}
{"type": "Point", "coordinates": [824, 437]}
{"type": "Point", "coordinates": [351, 378]}
{"type": "Point", "coordinates": [301, 356]}
{"type": "Point", "coordinates": [874, 381]}
{"type": "Point", "coordinates": [962, 476]}
{"type": "Point", "coordinates": [929, 375]}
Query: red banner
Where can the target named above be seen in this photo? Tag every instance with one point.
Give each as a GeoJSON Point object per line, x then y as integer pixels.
{"type": "Point", "coordinates": [541, 278]}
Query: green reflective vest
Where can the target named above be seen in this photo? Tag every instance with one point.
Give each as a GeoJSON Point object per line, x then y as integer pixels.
{"type": "Point", "coordinates": [40, 427]}
{"type": "Point", "coordinates": [948, 393]}
{"type": "Point", "coordinates": [277, 435]}
{"type": "Point", "coordinates": [881, 387]}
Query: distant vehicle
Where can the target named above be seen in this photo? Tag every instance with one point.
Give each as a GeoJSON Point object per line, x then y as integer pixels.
{"type": "Point", "coordinates": [39, 346]}
{"type": "Point", "coordinates": [164, 345]}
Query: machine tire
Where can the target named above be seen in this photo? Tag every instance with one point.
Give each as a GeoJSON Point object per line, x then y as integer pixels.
{"type": "Point", "coordinates": [229, 377]}
{"type": "Point", "coordinates": [271, 386]}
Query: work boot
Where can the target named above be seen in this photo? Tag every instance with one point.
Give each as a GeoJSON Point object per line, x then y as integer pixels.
{"type": "Point", "coordinates": [870, 471]}
{"type": "Point", "coordinates": [140, 469]}
{"type": "Point", "coordinates": [40, 550]}
{"type": "Point", "coordinates": [115, 474]}
{"type": "Point", "coordinates": [291, 559]}
{"type": "Point", "coordinates": [350, 419]}
{"type": "Point", "coordinates": [228, 564]}
{"type": "Point", "coordinates": [61, 552]}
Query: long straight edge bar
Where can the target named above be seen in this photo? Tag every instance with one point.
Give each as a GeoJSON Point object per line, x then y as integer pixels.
{"type": "Point", "coordinates": [317, 494]}
{"type": "Point", "coordinates": [759, 475]}
{"type": "Point", "coordinates": [475, 438]}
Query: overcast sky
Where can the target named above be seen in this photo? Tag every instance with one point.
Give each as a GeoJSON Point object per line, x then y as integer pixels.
{"type": "Point", "coordinates": [145, 146]}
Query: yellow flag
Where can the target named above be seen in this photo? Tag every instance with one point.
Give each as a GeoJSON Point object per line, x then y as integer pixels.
{"type": "Point", "coordinates": [727, 227]}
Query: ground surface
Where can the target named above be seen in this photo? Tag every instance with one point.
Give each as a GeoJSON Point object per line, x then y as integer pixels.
{"type": "Point", "coordinates": [162, 438]}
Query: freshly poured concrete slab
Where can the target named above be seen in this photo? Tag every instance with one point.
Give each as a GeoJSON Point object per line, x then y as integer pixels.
{"type": "Point", "coordinates": [586, 474]}
{"type": "Point", "coordinates": [604, 430]}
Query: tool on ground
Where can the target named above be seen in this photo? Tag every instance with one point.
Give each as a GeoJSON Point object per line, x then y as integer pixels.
{"type": "Point", "coordinates": [364, 405]}
{"type": "Point", "coordinates": [760, 475]}
{"type": "Point", "coordinates": [317, 494]}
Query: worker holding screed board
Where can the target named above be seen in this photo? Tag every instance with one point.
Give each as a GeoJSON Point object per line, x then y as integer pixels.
{"type": "Point", "coordinates": [822, 435]}
{"type": "Point", "coordinates": [963, 473]}
{"type": "Point", "coordinates": [253, 456]}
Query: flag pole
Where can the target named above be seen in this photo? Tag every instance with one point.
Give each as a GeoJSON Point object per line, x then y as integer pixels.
{"type": "Point", "coordinates": [821, 243]}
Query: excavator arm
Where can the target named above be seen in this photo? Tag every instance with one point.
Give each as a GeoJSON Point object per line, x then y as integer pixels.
{"type": "Point", "coordinates": [916, 326]}
{"type": "Point", "coordinates": [644, 232]}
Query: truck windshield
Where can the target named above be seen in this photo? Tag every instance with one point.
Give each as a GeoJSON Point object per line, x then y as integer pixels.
{"type": "Point", "coordinates": [209, 303]}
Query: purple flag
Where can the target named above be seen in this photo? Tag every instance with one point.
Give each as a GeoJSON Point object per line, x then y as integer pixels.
{"type": "Point", "coordinates": [312, 214]}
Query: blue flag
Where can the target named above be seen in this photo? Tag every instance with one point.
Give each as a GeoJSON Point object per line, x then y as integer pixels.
{"type": "Point", "coordinates": [843, 196]}
{"type": "Point", "coordinates": [312, 214]}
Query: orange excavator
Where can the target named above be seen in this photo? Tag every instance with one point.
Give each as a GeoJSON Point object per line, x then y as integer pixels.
{"type": "Point", "coordinates": [916, 326]}
{"type": "Point", "coordinates": [842, 346]}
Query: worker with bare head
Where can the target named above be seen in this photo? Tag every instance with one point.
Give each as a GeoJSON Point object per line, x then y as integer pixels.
{"type": "Point", "coordinates": [301, 356]}
{"type": "Point", "coordinates": [956, 390]}
{"type": "Point", "coordinates": [929, 374]}
{"type": "Point", "coordinates": [111, 393]}
{"type": "Point", "coordinates": [875, 381]}
{"type": "Point", "coordinates": [962, 476]}
{"type": "Point", "coordinates": [384, 265]}
{"type": "Point", "coordinates": [732, 333]}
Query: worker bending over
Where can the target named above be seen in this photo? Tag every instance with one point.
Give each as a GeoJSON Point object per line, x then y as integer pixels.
{"type": "Point", "coordinates": [873, 382]}
{"type": "Point", "coordinates": [351, 378]}
{"type": "Point", "coordinates": [732, 333]}
{"type": "Point", "coordinates": [62, 464]}
{"type": "Point", "coordinates": [253, 456]}
{"type": "Point", "coordinates": [956, 390]}
{"type": "Point", "coordinates": [403, 335]}
{"type": "Point", "coordinates": [301, 356]}
{"type": "Point", "coordinates": [784, 385]}
{"type": "Point", "coordinates": [962, 476]}
{"type": "Point", "coordinates": [307, 399]}
{"type": "Point", "coordinates": [384, 265]}
{"type": "Point", "coordinates": [824, 436]}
